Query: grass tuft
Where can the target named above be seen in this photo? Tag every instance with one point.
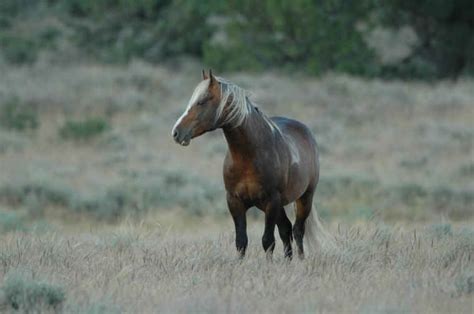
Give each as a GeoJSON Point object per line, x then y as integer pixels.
{"type": "Point", "coordinates": [465, 283]}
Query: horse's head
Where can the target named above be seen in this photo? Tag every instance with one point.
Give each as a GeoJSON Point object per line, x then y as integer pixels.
{"type": "Point", "coordinates": [202, 113]}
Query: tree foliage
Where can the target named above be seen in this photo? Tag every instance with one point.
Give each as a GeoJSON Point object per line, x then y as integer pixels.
{"type": "Point", "coordinates": [305, 35]}
{"type": "Point", "coordinates": [446, 36]}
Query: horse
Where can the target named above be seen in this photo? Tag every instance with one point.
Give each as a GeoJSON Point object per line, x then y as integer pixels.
{"type": "Point", "coordinates": [270, 162]}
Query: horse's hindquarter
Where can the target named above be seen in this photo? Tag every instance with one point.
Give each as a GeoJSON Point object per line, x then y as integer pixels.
{"type": "Point", "coordinates": [303, 163]}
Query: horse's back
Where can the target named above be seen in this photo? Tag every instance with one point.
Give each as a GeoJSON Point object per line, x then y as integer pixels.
{"type": "Point", "coordinates": [295, 130]}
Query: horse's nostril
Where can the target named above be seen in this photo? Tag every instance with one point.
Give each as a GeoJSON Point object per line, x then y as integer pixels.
{"type": "Point", "coordinates": [175, 134]}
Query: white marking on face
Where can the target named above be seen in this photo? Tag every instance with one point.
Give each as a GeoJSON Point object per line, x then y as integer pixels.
{"type": "Point", "coordinates": [198, 93]}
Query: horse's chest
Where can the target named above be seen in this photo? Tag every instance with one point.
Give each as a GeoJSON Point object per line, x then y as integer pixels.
{"type": "Point", "coordinates": [248, 189]}
{"type": "Point", "coordinates": [244, 184]}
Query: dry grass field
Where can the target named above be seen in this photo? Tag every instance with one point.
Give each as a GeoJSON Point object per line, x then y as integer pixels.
{"type": "Point", "coordinates": [100, 212]}
{"type": "Point", "coordinates": [137, 269]}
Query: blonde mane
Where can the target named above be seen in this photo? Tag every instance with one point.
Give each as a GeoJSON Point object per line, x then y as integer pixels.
{"type": "Point", "coordinates": [239, 108]}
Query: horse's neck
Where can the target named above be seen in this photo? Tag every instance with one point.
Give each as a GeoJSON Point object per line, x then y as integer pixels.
{"type": "Point", "coordinates": [246, 140]}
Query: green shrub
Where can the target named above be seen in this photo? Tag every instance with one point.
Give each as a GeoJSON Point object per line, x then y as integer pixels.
{"type": "Point", "coordinates": [151, 31]}
{"type": "Point", "coordinates": [10, 221]}
{"type": "Point", "coordinates": [364, 198]}
{"type": "Point", "coordinates": [31, 296]}
{"type": "Point", "coordinates": [83, 129]}
{"type": "Point", "coordinates": [141, 194]}
{"type": "Point", "coordinates": [45, 192]}
{"type": "Point", "coordinates": [18, 50]}
{"type": "Point", "coordinates": [14, 7]}
{"type": "Point", "coordinates": [18, 116]}
{"type": "Point", "coordinates": [302, 34]}
{"type": "Point", "coordinates": [444, 48]}
{"type": "Point", "coordinates": [440, 231]}
{"type": "Point", "coordinates": [465, 283]}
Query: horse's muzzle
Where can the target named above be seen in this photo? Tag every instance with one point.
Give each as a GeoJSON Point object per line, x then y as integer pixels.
{"type": "Point", "coordinates": [180, 137]}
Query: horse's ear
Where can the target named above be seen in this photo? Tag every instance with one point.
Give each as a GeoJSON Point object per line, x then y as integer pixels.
{"type": "Point", "coordinates": [211, 78]}
{"type": "Point", "coordinates": [204, 75]}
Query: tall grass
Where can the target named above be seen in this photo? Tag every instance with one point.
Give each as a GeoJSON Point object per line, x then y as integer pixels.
{"type": "Point", "coordinates": [132, 269]}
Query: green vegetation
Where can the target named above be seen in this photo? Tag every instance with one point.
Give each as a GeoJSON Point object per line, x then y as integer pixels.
{"type": "Point", "coordinates": [293, 35]}
{"type": "Point", "coordinates": [18, 116]}
{"type": "Point", "coordinates": [31, 296]}
{"type": "Point", "coordinates": [403, 201]}
{"type": "Point", "coordinates": [18, 50]}
{"type": "Point", "coordinates": [133, 198]}
{"type": "Point", "coordinates": [10, 221]}
{"type": "Point", "coordinates": [302, 35]}
{"type": "Point", "coordinates": [347, 198]}
{"type": "Point", "coordinates": [465, 283]}
{"type": "Point", "coordinates": [445, 36]}
{"type": "Point", "coordinates": [43, 191]}
{"type": "Point", "coordinates": [83, 129]}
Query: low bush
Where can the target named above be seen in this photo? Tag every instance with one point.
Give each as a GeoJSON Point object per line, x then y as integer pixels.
{"type": "Point", "coordinates": [364, 199]}
{"type": "Point", "coordinates": [18, 50]}
{"type": "Point", "coordinates": [133, 198]}
{"type": "Point", "coordinates": [440, 231]}
{"type": "Point", "coordinates": [465, 283]}
{"type": "Point", "coordinates": [10, 221]}
{"type": "Point", "coordinates": [42, 191]}
{"type": "Point", "coordinates": [167, 189]}
{"type": "Point", "coordinates": [31, 296]}
{"type": "Point", "coordinates": [18, 116]}
{"type": "Point", "coordinates": [83, 129]}
{"type": "Point", "coordinates": [349, 198]}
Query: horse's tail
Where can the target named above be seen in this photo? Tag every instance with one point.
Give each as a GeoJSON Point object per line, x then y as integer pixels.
{"type": "Point", "coordinates": [316, 236]}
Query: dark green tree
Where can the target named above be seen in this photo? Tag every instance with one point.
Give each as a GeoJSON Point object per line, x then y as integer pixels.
{"type": "Point", "coordinates": [446, 36]}
{"type": "Point", "coordinates": [315, 36]}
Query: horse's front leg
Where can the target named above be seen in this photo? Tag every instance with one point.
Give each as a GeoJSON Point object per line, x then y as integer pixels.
{"type": "Point", "coordinates": [284, 228]}
{"type": "Point", "coordinates": [271, 208]}
{"type": "Point", "coordinates": [238, 211]}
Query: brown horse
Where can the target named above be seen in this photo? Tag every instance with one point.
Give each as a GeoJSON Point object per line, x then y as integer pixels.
{"type": "Point", "coordinates": [270, 163]}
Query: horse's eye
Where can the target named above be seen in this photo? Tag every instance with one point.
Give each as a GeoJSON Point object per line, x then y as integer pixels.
{"type": "Point", "coordinates": [201, 102]}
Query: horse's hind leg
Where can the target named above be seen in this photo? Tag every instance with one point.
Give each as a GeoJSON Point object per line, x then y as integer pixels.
{"type": "Point", "coordinates": [303, 209]}
{"type": "Point", "coordinates": [284, 228]}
